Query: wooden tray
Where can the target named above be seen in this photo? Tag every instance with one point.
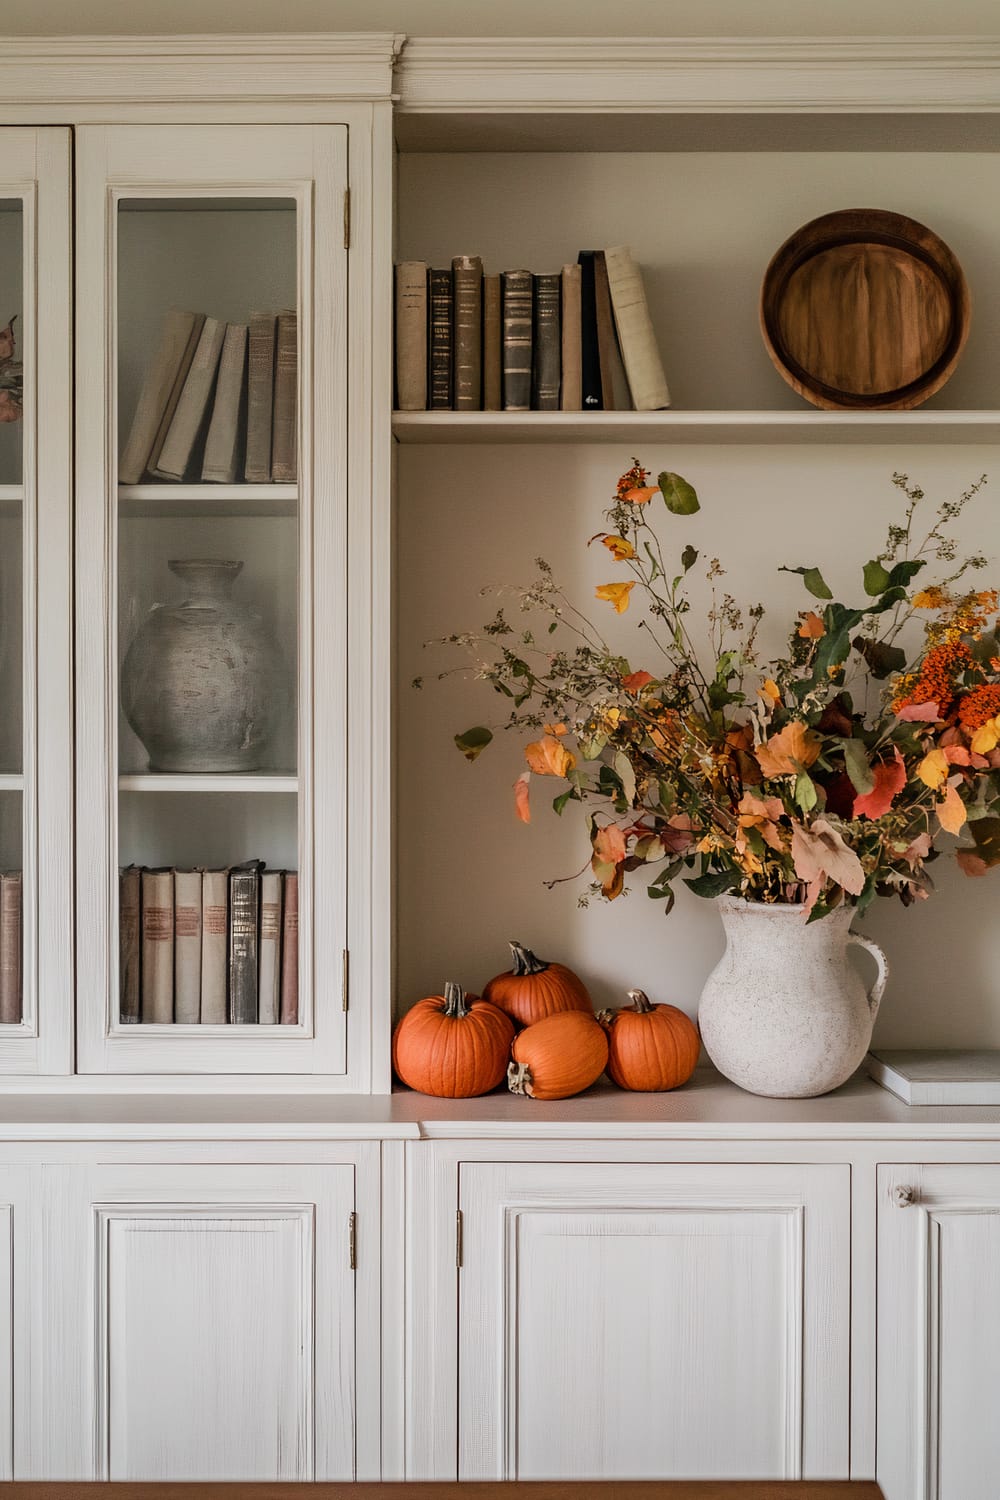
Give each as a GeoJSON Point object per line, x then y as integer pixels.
{"type": "Point", "coordinates": [864, 310]}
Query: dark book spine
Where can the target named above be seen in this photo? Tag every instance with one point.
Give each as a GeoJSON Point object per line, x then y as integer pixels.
{"type": "Point", "coordinates": [516, 299]}
{"type": "Point", "coordinates": [130, 1010]}
{"type": "Point", "coordinates": [547, 341]}
{"type": "Point", "coordinates": [492, 339]}
{"type": "Point", "coordinates": [607, 347]}
{"type": "Point", "coordinates": [244, 923]}
{"type": "Point", "coordinates": [467, 273]}
{"type": "Point", "coordinates": [439, 297]}
{"type": "Point", "coordinates": [289, 1012]}
{"type": "Point", "coordinates": [591, 393]}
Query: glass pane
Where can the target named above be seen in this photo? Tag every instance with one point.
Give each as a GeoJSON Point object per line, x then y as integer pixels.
{"type": "Point", "coordinates": [12, 422]}
{"type": "Point", "coordinates": [208, 610]}
{"type": "Point", "coordinates": [11, 927]}
{"type": "Point", "coordinates": [11, 339]}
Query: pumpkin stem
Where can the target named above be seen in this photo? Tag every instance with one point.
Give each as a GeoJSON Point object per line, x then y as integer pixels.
{"type": "Point", "coordinates": [519, 1078]}
{"type": "Point", "coordinates": [640, 1002]}
{"type": "Point", "coordinates": [525, 961]}
{"type": "Point", "coordinates": [454, 1000]}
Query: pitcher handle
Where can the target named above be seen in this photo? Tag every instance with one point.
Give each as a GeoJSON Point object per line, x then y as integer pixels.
{"type": "Point", "coordinates": [878, 988]}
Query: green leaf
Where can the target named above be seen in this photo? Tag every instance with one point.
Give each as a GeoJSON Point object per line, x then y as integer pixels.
{"type": "Point", "coordinates": [857, 766]}
{"type": "Point", "coordinates": [689, 557]}
{"type": "Point", "coordinates": [904, 571]}
{"type": "Point", "coordinates": [679, 496]}
{"type": "Point", "coordinates": [553, 626]}
{"type": "Point", "coordinates": [877, 580]}
{"type": "Point", "coordinates": [880, 659]}
{"type": "Point", "coordinates": [474, 741]}
{"type": "Point", "coordinates": [813, 580]}
{"type": "Point", "coordinates": [806, 795]}
{"type": "Point", "coordinates": [626, 775]}
{"type": "Point", "coordinates": [714, 884]}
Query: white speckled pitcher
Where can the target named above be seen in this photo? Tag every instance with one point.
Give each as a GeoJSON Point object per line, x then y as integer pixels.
{"type": "Point", "coordinates": [784, 1013]}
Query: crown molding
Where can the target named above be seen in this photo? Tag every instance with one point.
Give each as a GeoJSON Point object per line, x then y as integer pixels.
{"type": "Point", "coordinates": [116, 70]}
{"type": "Point", "coordinates": [637, 75]}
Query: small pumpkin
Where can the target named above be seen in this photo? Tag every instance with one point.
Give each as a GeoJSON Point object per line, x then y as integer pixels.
{"type": "Point", "coordinates": [650, 1047]}
{"type": "Point", "coordinates": [557, 1057]}
{"type": "Point", "coordinates": [534, 989]}
{"type": "Point", "coordinates": [454, 1045]}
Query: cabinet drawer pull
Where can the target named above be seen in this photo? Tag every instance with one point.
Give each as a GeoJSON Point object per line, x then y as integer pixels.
{"type": "Point", "coordinates": [904, 1196]}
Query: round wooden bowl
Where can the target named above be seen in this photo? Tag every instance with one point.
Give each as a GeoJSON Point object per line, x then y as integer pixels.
{"type": "Point", "coordinates": [864, 310]}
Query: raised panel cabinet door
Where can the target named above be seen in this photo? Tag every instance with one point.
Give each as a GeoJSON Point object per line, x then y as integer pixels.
{"type": "Point", "coordinates": [636, 1321]}
{"type": "Point", "coordinates": [938, 1358]}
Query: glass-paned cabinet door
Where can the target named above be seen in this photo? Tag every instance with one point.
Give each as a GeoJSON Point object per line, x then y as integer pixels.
{"type": "Point", "coordinates": [211, 323]}
{"type": "Point", "coordinates": [36, 1015]}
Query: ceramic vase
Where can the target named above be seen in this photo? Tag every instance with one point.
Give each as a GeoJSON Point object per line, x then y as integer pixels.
{"type": "Point", "coordinates": [784, 1013]}
{"type": "Point", "coordinates": [203, 682]}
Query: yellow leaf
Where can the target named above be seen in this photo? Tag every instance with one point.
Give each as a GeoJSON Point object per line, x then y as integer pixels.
{"type": "Point", "coordinates": [556, 729]}
{"type": "Point", "coordinates": [769, 689]}
{"type": "Point", "coordinates": [616, 594]}
{"type": "Point", "coordinates": [933, 769]}
{"type": "Point", "coordinates": [793, 750]}
{"type": "Point", "coordinates": [812, 627]}
{"type": "Point", "coordinates": [619, 548]}
{"type": "Point", "coordinates": [549, 758]}
{"type": "Point", "coordinates": [951, 812]}
{"type": "Point", "coordinates": [986, 737]}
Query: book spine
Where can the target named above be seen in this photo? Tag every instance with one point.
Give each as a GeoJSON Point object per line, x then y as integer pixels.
{"type": "Point", "coordinates": [269, 998]}
{"type": "Point", "coordinates": [440, 298]}
{"type": "Point", "coordinates": [492, 345]}
{"type": "Point", "coordinates": [643, 366]}
{"type": "Point", "coordinates": [516, 298]}
{"type": "Point", "coordinates": [467, 276]}
{"type": "Point", "coordinates": [606, 350]}
{"type": "Point", "coordinates": [190, 419]}
{"type": "Point", "coordinates": [244, 920]}
{"type": "Point", "coordinates": [157, 947]}
{"type": "Point", "coordinates": [180, 380]}
{"type": "Point", "coordinates": [10, 948]}
{"type": "Point", "coordinates": [290, 952]}
{"type": "Point", "coordinates": [411, 335]}
{"type": "Point", "coordinates": [187, 947]}
{"type": "Point", "coordinates": [284, 442]}
{"type": "Point", "coordinates": [260, 394]}
{"type": "Point", "coordinates": [157, 386]}
{"type": "Point", "coordinates": [129, 931]}
{"type": "Point", "coordinates": [214, 945]}
{"type": "Point", "coordinates": [546, 343]}
{"type": "Point", "coordinates": [571, 394]}
{"type": "Point", "coordinates": [228, 425]}
{"type": "Point", "coordinates": [591, 395]}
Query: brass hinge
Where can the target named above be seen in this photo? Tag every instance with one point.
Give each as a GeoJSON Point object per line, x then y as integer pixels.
{"type": "Point", "coordinates": [345, 979]}
{"type": "Point", "coordinates": [347, 218]}
{"type": "Point", "coordinates": [458, 1238]}
{"type": "Point", "coordinates": [352, 1241]}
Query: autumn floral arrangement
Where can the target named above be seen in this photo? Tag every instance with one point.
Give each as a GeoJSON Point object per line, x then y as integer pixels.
{"type": "Point", "coordinates": [825, 776]}
{"type": "Point", "coordinates": [11, 377]}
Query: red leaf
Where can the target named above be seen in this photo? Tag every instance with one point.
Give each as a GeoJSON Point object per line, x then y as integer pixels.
{"type": "Point", "coordinates": [927, 713]}
{"type": "Point", "coordinates": [890, 778]}
{"type": "Point", "coordinates": [521, 797]}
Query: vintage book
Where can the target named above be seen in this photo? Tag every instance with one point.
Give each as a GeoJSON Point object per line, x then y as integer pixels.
{"type": "Point", "coordinates": [937, 1075]}
{"type": "Point", "coordinates": [129, 930]}
{"type": "Point", "coordinates": [187, 947]}
{"type": "Point", "coordinates": [607, 349]}
{"type": "Point", "coordinates": [290, 951]}
{"type": "Point", "coordinates": [158, 384]}
{"type": "Point", "coordinates": [194, 339]}
{"type": "Point", "coordinates": [643, 366]}
{"type": "Point", "coordinates": [467, 278]}
{"type": "Point", "coordinates": [269, 968]}
{"type": "Point", "coordinates": [411, 335]}
{"type": "Point", "coordinates": [591, 391]}
{"type": "Point", "coordinates": [492, 344]}
{"type": "Point", "coordinates": [439, 295]}
{"type": "Point", "coordinates": [260, 397]}
{"type": "Point", "coordinates": [10, 948]}
{"type": "Point", "coordinates": [223, 462]}
{"type": "Point", "coordinates": [516, 291]}
{"type": "Point", "coordinates": [214, 946]}
{"type": "Point", "coordinates": [570, 393]}
{"type": "Point", "coordinates": [285, 434]}
{"type": "Point", "coordinates": [157, 947]}
{"type": "Point", "coordinates": [244, 924]}
{"type": "Point", "coordinates": [546, 342]}
{"type": "Point", "coordinates": [183, 441]}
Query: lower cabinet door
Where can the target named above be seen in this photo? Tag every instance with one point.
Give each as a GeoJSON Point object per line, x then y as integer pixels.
{"type": "Point", "coordinates": [647, 1321]}
{"type": "Point", "coordinates": [938, 1386]}
{"type": "Point", "coordinates": [224, 1322]}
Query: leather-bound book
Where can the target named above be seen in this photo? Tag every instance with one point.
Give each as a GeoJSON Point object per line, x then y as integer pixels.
{"type": "Point", "coordinates": [214, 946]}
{"type": "Point", "coordinates": [516, 291]}
{"type": "Point", "coordinates": [290, 952]}
{"type": "Point", "coordinates": [10, 948]}
{"type": "Point", "coordinates": [129, 929]}
{"type": "Point", "coordinates": [157, 947]}
{"type": "Point", "coordinates": [244, 934]}
{"type": "Point", "coordinates": [467, 278]}
{"type": "Point", "coordinates": [591, 392]}
{"type": "Point", "coordinates": [184, 441]}
{"type": "Point", "coordinates": [546, 350]}
{"type": "Point", "coordinates": [260, 397]}
{"type": "Point", "coordinates": [187, 947]}
{"type": "Point", "coordinates": [440, 349]}
{"type": "Point", "coordinates": [285, 434]}
{"type": "Point", "coordinates": [492, 345]}
{"type": "Point", "coordinates": [411, 335]}
{"type": "Point", "coordinates": [570, 393]}
{"type": "Point", "coordinates": [269, 967]}
{"type": "Point", "coordinates": [226, 439]}
{"type": "Point", "coordinates": [643, 366]}
{"type": "Point", "coordinates": [606, 347]}
{"type": "Point", "coordinates": [158, 396]}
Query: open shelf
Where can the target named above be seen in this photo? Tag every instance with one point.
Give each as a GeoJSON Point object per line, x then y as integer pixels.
{"type": "Point", "coordinates": [187, 500]}
{"type": "Point", "coordinates": [697, 426]}
{"type": "Point", "coordinates": [11, 781]}
{"type": "Point", "coordinates": [248, 781]}
{"type": "Point", "coordinates": [11, 499]}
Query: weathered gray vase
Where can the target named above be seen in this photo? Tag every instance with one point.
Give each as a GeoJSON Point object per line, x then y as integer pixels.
{"type": "Point", "coordinates": [203, 682]}
{"type": "Point", "coordinates": [784, 1012]}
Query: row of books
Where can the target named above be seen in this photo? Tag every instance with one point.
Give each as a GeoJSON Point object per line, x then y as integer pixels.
{"type": "Point", "coordinates": [524, 341]}
{"type": "Point", "coordinates": [209, 947]}
{"type": "Point", "coordinates": [219, 403]}
{"type": "Point", "coordinates": [11, 949]}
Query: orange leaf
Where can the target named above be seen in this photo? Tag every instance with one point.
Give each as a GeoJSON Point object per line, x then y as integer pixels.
{"type": "Point", "coordinates": [971, 862]}
{"type": "Point", "coordinates": [951, 812]}
{"type": "Point", "coordinates": [609, 844]}
{"type": "Point", "coordinates": [554, 729]}
{"type": "Point", "coordinates": [616, 594]}
{"type": "Point", "coordinates": [793, 750]}
{"type": "Point", "coordinates": [890, 778]}
{"type": "Point", "coordinates": [812, 627]}
{"type": "Point", "coordinates": [548, 757]}
{"type": "Point", "coordinates": [636, 681]}
{"type": "Point", "coordinates": [521, 797]}
{"type": "Point", "coordinates": [769, 689]}
{"type": "Point", "coordinates": [820, 851]}
{"type": "Point", "coordinates": [641, 496]}
{"type": "Point", "coordinates": [919, 713]}
{"type": "Point", "coordinates": [619, 548]}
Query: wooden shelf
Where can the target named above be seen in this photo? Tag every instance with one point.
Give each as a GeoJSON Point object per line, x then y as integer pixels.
{"type": "Point", "coordinates": [697, 427]}
{"type": "Point", "coordinates": [186, 500]}
{"type": "Point", "coordinates": [249, 781]}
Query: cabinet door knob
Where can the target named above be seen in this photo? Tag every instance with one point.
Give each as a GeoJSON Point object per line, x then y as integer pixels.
{"type": "Point", "coordinates": [903, 1196]}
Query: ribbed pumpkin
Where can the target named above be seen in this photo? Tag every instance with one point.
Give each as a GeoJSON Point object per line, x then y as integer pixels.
{"type": "Point", "coordinates": [452, 1045]}
{"type": "Point", "coordinates": [557, 1057]}
{"type": "Point", "coordinates": [650, 1047]}
{"type": "Point", "coordinates": [534, 989]}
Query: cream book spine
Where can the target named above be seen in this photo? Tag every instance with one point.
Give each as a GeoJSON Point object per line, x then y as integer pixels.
{"type": "Point", "coordinates": [640, 353]}
{"type": "Point", "coordinates": [571, 390]}
{"type": "Point", "coordinates": [227, 429]}
{"type": "Point", "coordinates": [157, 947]}
{"type": "Point", "coordinates": [214, 945]}
{"type": "Point", "coordinates": [269, 961]}
{"type": "Point", "coordinates": [187, 947]}
{"type": "Point", "coordinates": [155, 393]}
{"type": "Point", "coordinates": [411, 335]}
{"type": "Point", "coordinates": [189, 418]}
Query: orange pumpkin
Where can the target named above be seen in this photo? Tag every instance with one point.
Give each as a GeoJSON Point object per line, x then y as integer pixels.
{"type": "Point", "coordinates": [557, 1057]}
{"type": "Point", "coordinates": [650, 1047]}
{"type": "Point", "coordinates": [534, 989]}
{"type": "Point", "coordinates": [452, 1045]}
